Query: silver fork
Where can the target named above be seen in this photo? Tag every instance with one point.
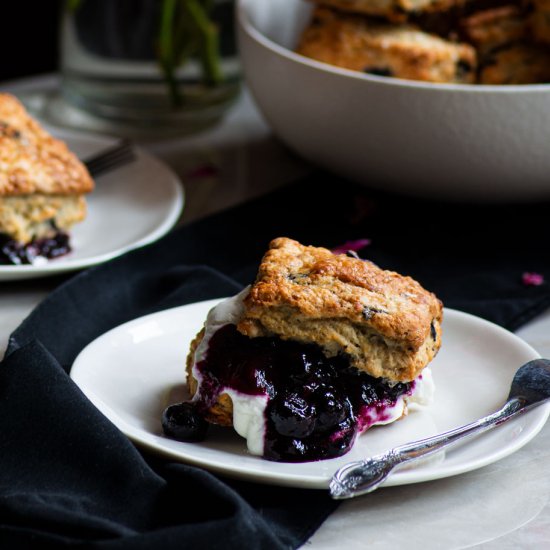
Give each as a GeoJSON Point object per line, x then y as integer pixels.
{"type": "Point", "coordinates": [530, 387]}
{"type": "Point", "coordinates": [119, 154]}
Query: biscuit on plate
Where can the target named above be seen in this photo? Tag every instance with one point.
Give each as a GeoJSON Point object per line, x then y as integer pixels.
{"type": "Point", "coordinates": [318, 349]}
{"type": "Point", "coordinates": [42, 183]}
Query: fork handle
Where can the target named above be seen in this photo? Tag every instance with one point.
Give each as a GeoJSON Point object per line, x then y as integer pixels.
{"type": "Point", "coordinates": [430, 445]}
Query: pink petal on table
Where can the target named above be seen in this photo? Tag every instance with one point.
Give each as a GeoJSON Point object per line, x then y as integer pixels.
{"type": "Point", "coordinates": [203, 171]}
{"type": "Point", "coordinates": [532, 279]}
{"type": "Point", "coordinates": [354, 246]}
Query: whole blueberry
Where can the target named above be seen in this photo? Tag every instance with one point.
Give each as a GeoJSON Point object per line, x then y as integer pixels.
{"type": "Point", "coordinates": [183, 422]}
{"type": "Point", "coordinates": [331, 408]}
{"type": "Point", "coordinates": [293, 416]}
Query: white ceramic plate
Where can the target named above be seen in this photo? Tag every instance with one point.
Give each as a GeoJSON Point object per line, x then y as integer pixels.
{"type": "Point", "coordinates": [131, 206]}
{"type": "Point", "coordinates": [134, 371]}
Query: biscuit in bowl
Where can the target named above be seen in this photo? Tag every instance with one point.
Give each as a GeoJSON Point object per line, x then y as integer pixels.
{"type": "Point", "coordinates": [493, 28]}
{"type": "Point", "coordinates": [516, 64]}
{"type": "Point", "coordinates": [374, 47]}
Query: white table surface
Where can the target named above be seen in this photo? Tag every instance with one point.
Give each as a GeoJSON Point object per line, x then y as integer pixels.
{"type": "Point", "coordinates": [502, 506]}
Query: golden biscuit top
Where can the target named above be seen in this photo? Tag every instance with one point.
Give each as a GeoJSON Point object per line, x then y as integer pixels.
{"type": "Point", "coordinates": [31, 160]}
{"type": "Point", "coordinates": [317, 284]}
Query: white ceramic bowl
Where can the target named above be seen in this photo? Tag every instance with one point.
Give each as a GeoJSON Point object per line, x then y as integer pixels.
{"type": "Point", "coordinates": [437, 140]}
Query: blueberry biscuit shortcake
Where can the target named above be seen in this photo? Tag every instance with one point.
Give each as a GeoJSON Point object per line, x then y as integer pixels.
{"type": "Point", "coordinates": [403, 51]}
{"type": "Point", "coordinates": [42, 188]}
{"type": "Point", "coordinates": [319, 348]}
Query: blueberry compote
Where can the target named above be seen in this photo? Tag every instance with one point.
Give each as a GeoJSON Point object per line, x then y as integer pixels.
{"type": "Point", "coordinates": [14, 253]}
{"type": "Point", "coordinates": [316, 405]}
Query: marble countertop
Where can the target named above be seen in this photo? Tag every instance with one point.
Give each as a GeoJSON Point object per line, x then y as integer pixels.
{"type": "Point", "coordinates": [503, 505]}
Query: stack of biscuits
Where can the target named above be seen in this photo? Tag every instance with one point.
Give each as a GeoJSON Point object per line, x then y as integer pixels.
{"type": "Point", "coordinates": [449, 41]}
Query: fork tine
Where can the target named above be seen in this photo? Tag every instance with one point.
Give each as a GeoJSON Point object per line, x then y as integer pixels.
{"type": "Point", "coordinates": [108, 160]}
{"type": "Point", "coordinates": [120, 146]}
{"type": "Point", "coordinates": [117, 155]}
{"type": "Point", "coordinates": [110, 164]}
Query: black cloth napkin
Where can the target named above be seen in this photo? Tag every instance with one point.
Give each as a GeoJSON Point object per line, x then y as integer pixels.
{"type": "Point", "coordinates": [69, 478]}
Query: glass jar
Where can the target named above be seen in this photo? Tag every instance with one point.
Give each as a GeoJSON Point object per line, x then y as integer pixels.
{"type": "Point", "coordinates": [156, 65]}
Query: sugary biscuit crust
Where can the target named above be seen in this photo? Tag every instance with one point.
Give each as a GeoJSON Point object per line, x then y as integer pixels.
{"type": "Point", "coordinates": [387, 324]}
{"type": "Point", "coordinates": [31, 160]}
{"type": "Point", "coordinates": [403, 51]}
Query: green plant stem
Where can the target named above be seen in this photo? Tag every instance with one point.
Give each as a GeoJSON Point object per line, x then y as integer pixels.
{"type": "Point", "coordinates": [209, 50]}
{"type": "Point", "coordinates": [166, 50]}
{"type": "Point", "coordinates": [186, 32]}
{"type": "Point", "coordinates": [185, 37]}
{"type": "Point", "coordinates": [72, 5]}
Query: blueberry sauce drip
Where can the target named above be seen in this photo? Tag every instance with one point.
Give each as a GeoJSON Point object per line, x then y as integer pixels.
{"type": "Point", "coordinates": [317, 405]}
{"type": "Point", "coordinates": [14, 253]}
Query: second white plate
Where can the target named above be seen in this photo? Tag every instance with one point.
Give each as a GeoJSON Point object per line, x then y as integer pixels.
{"type": "Point", "coordinates": [134, 371]}
{"type": "Point", "coordinates": [131, 206]}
